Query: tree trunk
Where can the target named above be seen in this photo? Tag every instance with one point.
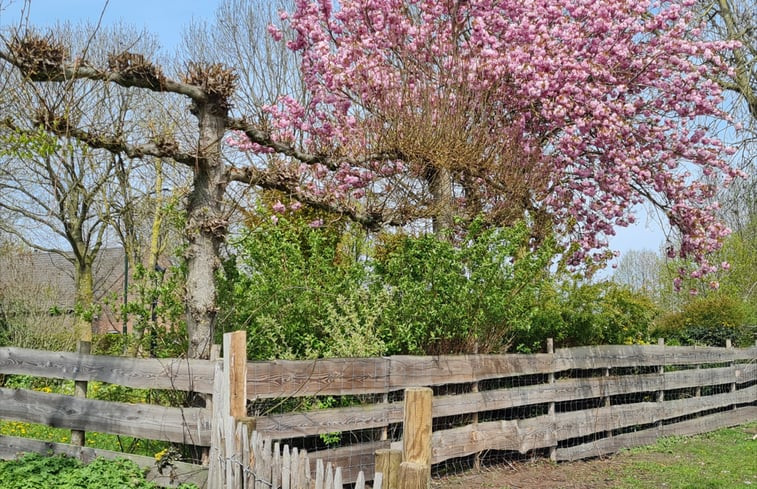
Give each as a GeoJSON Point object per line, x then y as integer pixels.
{"type": "Point", "coordinates": [440, 185]}
{"type": "Point", "coordinates": [206, 229]}
{"type": "Point", "coordinates": [152, 257]}
{"type": "Point", "coordinates": [84, 298]}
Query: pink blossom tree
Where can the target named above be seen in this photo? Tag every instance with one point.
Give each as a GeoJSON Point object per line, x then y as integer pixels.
{"type": "Point", "coordinates": [568, 113]}
{"type": "Point", "coordinates": [564, 113]}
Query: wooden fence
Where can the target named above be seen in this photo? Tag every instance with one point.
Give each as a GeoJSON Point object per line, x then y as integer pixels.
{"type": "Point", "coordinates": [568, 404]}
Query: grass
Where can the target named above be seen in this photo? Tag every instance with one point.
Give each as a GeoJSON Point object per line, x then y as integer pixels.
{"type": "Point", "coordinates": [722, 459]}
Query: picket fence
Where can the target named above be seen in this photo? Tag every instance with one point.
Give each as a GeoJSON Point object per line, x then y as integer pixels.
{"type": "Point", "coordinates": [259, 463]}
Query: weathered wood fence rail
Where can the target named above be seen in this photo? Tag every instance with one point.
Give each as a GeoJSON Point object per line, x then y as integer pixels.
{"type": "Point", "coordinates": [573, 403]}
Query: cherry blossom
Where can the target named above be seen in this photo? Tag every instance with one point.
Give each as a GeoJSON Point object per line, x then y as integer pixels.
{"type": "Point", "coordinates": [596, 106]}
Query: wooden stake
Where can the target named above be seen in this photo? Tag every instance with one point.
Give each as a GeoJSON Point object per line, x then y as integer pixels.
{"type": "Point", "coordinates": [388, 464]}
{"type": "Point", "coordinates": [235, 366]}
{"type": "Point", "coordinates": [416, 433]}
{"type": "Point", "coordinates": [551, 405]}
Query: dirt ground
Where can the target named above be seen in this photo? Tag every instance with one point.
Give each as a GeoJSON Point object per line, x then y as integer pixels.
{"type": "Point", "coordinates": [592, 474]}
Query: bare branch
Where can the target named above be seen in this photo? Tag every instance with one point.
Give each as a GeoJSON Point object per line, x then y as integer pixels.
{"type": "Point", "coordinates": [263, 138]}
{"type": "Point", "coordinates": [124, 72]}
{"type": "Point", "coordinates": [372, 219]}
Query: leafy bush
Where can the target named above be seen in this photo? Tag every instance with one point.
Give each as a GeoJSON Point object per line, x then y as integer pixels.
{"type": "Point", "coordinates": [448, 298]}
{"type": "Point", "coordinates": [708, 320]}
{"type": "Point", "coordinates": [33, 471]}
{"type": "Point", "coordinates": [284, 283]}
{"type": "Point", "coordinates": [304, 291]}
{"type": "Point", "coordinates": [575, 313]}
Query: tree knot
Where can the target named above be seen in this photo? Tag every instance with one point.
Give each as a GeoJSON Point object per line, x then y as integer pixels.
{"type": "Point", "coordinates": [137, 69]}
{"type": "Point", "coordinates": [215, 79]}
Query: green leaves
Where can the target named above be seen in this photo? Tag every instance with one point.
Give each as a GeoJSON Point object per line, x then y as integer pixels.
{"type": "Point", "coordinates": [33, 471]}
{"type": "Point", "coordinates": [448, 298]}
{"type": "Point", "coordinates": [575, 313]}
{"type": "Point", "coordinates": [286, 281]}
{"type": "Point", "coordinates": [329, 291]}
{"type": "Point", "coordinates": [25, 144]}
{"type": "Point", "coordinates": [709, 320]}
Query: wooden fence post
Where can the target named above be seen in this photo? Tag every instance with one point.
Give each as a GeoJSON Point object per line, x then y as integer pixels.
{"type": "Point", "coordinates": [229, 404]}
{"type": "Point", "coordinates": [235, 368]}
{"type": "Point", "coordinates": [414, 476]}
{"type": "Point", "coordinates": [608, 400]}
{"type": "Point", "coordinates": [388, 465]}
{"type": "Point", "coordinates": [661, 392]}
{"type": "Point", "coordinates": [729, 345]}
{"type": "Point", "coordinates": [80, 390]}
{"type": "Point", "coordinates": [474, 418]}
{"type": "Point", "coordinates": [551, 405]}
{"type": "Point", "coordinates": [416, 437]}
{"type": "Point", "coordinates": [215, 354]}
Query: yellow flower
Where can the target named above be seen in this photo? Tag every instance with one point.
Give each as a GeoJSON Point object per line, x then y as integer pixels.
{"type": "Point", "coordinates": [161, 454]}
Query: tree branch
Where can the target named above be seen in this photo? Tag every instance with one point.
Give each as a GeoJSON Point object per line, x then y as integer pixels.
{"type": "Point", "coordinates": [71, 71]}
{"type": "Point", "coordinates": [115, 144]}
{"type": "Point", "coordinates": [371, 219]}
{"type": "Point", "coordinates": [263, 138]}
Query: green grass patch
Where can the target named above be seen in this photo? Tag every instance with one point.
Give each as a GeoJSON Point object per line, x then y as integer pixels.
{"type": "Point", "coordinates": [722, 459]}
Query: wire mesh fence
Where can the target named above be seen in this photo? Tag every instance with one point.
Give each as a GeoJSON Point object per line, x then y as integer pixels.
{"type": "Point", "coordinates": [493, 409]}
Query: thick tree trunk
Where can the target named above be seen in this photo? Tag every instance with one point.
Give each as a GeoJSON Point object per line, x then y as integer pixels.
{"type": "Point", "coordinates": [440, 185]}
{"type": "Point", "coordinates": [206, 229]}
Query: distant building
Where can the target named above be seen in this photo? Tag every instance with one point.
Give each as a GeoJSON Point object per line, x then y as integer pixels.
{"type": "Point", "coordinates": [48, 280]}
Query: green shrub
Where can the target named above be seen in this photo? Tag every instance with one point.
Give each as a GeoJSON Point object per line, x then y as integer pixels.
{"type": "Point", "coordinates": [454, 297]}
{"type": "Point", "coordinates": [708, 320]}
{"type": "Point", "coordinates": [575, 313]}
{"type": "Point", "coordinates": [33, 471]}
{"type": "Point", "coordinates": [285, 282]}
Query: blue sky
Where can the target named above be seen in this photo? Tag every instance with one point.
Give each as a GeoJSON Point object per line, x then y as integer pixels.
{"type": "Point", "coordinates": [168, 18]}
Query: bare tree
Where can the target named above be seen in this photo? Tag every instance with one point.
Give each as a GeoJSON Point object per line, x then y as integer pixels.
{"type": "Point", "coordinates": [60, 190]}
{"type": "Point", "coordinates": [640, 270]}
{"type": "Point", "coordinates": [736, 20]}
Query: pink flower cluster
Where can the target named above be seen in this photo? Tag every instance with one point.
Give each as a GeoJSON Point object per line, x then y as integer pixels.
{"type": "Point", "coordinates": [608, 95]}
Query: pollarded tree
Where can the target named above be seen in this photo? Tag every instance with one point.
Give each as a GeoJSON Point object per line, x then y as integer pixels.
{"type": "Point", "coordinates": [569, 112]}
{"type": "Point", "coordinates": [48, 63]}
